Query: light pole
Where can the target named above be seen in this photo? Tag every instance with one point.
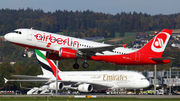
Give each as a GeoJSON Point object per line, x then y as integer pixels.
{"type": "Point", "coordinates": [155, 79]}
{"type": "Point", "coordinates": [177, 82]}
{"type": "Point", "coordinates": [57, 77]}
{"type": "Point", "coordinates": [170, 82]}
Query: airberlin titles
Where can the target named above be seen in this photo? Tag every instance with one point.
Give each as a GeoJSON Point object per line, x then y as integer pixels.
{"type": "Point", "coordinates": [58, 40]}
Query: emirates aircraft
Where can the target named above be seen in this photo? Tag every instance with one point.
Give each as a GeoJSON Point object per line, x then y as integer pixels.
{"type": "Point", "coordinates": [84, 81]}
{"type": "Point", "coordinates": [60, 46]}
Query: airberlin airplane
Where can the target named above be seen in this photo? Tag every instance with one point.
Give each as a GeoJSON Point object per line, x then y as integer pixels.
{"type": "Point", "coordinates": [60, 46]}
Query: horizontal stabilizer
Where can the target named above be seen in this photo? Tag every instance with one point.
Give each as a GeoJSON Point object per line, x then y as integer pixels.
{"type": "Point", "coordinates": [161, 59]}
{"type": "Point", "coordinates": [6, 80]}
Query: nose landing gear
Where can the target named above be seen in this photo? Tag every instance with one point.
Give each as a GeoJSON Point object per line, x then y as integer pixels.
{"type": "Point", "coordinates": [25, 52]}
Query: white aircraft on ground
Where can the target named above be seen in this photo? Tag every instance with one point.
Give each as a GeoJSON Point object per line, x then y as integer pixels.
{"type": "Point", "coordinates": [43, 90]}
{"type": "Point", "coordinates": [84, 81]}
{"type": "Point", "coordinates": [60, 46]}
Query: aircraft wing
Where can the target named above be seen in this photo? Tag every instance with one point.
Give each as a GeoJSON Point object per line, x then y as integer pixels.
{"type": "Point", "coordinates": [76, 83]}
{"type": "Point", "coordinates": [27, 80]}
{"type": "Point", "coordinates": [93, 51]}
{"type": "Point", "coordinates": [28, 77]}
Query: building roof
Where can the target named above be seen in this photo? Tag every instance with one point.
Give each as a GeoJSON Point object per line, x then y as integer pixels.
{"type": "Point", "coordinates": [176, 30]}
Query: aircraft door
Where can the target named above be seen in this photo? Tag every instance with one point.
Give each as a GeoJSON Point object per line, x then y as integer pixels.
{"type": "Point", "coordinates": [137, 56]}
{"type": "Point", "coordinates": [29, 35]}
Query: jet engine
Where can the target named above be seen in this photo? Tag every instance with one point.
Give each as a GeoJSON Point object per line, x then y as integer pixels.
{"type": "Point", "coordinates": [67, 53]}
{"type": "Point", "coordinates": [52, 86]}
{"type": "Point", "coordinates": [85, 88]}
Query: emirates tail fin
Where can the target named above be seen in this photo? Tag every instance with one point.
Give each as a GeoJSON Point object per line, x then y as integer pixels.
{"type": "Point", "coordinates": [48, 66]}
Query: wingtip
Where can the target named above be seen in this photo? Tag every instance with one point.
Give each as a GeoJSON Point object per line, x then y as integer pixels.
{"type": "Point", "coordinates": [124, 45]}
{"type": "Point", "coordinates": [6, 80]}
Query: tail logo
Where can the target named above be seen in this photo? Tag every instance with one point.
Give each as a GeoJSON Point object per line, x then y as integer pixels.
{"type": "Point", "coordinates": [160, 42]}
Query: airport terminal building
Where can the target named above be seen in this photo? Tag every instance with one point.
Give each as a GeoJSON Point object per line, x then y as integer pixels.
{"type": "Point", "coordinates": [164, 77]}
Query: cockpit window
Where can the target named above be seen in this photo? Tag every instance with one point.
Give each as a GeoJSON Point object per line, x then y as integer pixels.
{"type": "Point", "coordinates": [18, 32]}
{"type": "Point", "coordinates": [143, 78]}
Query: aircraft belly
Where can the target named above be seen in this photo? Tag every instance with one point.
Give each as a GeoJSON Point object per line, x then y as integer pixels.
{"type": "Point", "coordinates": [127, 59]}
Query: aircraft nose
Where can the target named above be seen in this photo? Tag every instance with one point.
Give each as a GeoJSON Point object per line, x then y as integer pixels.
{"type": "Point", "coordinates": [7, 37]}
{"type": "Point", "coordinates": [147, 83]}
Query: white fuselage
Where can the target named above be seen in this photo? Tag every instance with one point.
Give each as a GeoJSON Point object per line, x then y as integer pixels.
{"type": "Point", "coordinates": [108, 79]}
{"type": "Point", "coordinates": [36, 38]}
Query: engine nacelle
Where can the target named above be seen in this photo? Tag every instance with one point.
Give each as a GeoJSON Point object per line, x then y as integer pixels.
{"type": "Point", "coordinates": [67, 53]}
{"type": "Point", "coordinates": [52, 86]}
{"type": "Point", "coordinates": [85, 88]}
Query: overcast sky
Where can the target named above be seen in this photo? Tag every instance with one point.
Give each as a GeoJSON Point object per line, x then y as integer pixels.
{"type": "Point", "coordinates": [152, 7]}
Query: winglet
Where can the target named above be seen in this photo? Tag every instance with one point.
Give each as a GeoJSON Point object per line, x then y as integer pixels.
{"type": "Point", "coordinates": [124, 45]}
{"type": "Point", "coordinates": [6, 80]}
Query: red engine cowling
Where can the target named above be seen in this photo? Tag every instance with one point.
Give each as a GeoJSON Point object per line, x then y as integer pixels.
{"type": "Point", "coordinates": [67, 53]}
